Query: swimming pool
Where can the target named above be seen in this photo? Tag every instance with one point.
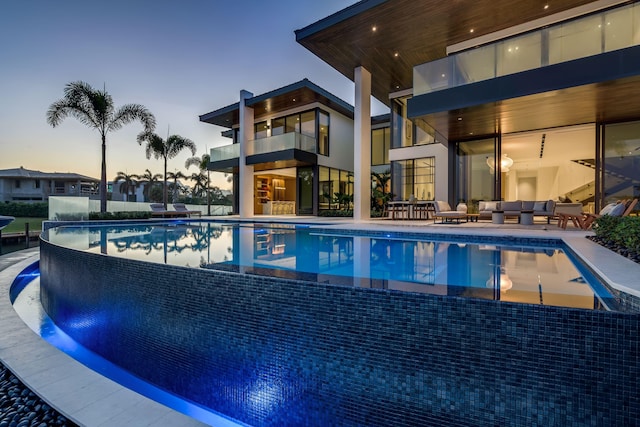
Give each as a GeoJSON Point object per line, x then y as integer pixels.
{"type": "Point", "coordinates": [332, 345]}
{"type": "Point", "coordinates": [528, 271]}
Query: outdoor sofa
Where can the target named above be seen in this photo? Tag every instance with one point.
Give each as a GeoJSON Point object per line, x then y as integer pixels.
{"type": "Point", "coordinates": [514, 208]}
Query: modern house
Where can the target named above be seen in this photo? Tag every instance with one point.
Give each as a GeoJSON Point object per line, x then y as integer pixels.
{"type": "Point", "coordinates": [491, 100]}
{"type": "Point", "coordinates": [24, 185]}
{"type": "Point", "coordinates": [291, 150]}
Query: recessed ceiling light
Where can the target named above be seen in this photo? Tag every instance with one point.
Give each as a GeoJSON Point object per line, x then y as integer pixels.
{"type": "Point", "coordinates": [471, 30]}
{"type": "Point", "coordinates": [374, 28]}
{"type": "Point", "coordinates": [395, 54]}
{"type": "Point", "coordinates": [459, 119]}
{"type": "Point", "coordinates": [546, 6]}
{"type": "Point", "coordinates": [294, 100]}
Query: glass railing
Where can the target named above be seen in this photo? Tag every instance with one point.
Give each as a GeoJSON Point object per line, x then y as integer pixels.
{"type": "Point", "coordinates": [282, 142]}
{"type": "Point", "coordinates": [225, 152]}
{"type": "Point", "coordinates": [591, 35]}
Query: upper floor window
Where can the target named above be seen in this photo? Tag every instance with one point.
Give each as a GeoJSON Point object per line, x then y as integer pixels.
{"type": "Point", "coordinates": [323, 133]}
{"type": "Point", "coordinates": [380, 144]}
{"type": "Point", "coordinates": [37, 183]}
{"type": "Point", "coordinates": [17, 183]}
{"type": "Point", "coordinates": [260, 129]}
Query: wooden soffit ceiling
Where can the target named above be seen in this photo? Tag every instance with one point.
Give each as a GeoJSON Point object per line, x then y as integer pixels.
{"type": "Point", "coordinates": [412, 32]}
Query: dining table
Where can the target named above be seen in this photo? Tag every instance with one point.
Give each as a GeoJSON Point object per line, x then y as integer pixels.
{"type": "Point", "coordinates": [411, 209]}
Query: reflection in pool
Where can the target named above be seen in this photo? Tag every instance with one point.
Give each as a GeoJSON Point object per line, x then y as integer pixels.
{"type": "Point", "coordinates": [533, 273]}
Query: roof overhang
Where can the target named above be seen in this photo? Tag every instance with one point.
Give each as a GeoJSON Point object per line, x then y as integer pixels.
{"type": "Point", "coordinates": [410, 32]}
{"type": "Point", "coordinates": [286, 98]}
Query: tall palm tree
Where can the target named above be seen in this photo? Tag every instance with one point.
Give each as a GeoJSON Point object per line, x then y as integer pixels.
{"type": "Point", "coordinates": [202, 163]}
{"type": "Point", "coordinates": [128, 183]}
{"type": "Point", "coordinates": [175, 176]}
{"type": "Point", "coordinates": [166, 150]}
{"type": "Point", "coordinates": [149, 179]}
{"type": "Point", "coordinates": [95, 109]}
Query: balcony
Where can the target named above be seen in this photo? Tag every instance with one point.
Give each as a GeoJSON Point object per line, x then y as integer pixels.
{"type": "Point", "coordinates": [287, 141]}
{"type": "Point", "coordinates": [226, 152]}
{"type": "Point", "coordinates": [580, 38]}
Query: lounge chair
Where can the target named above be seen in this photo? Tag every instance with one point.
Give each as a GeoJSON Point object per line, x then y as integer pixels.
{"type": "Point", "coordinates": [180, 207]}
{"type": "Point", "coordinates": [585, 220]}
{"type": "Point", "coordinates": [616, 210]}
{"type": "Point", "coordinates": [444, 212]}
{"type": "Point", "coordinates": [158, 211]}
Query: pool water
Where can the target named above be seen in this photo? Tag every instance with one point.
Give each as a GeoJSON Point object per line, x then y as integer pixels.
{"type": "Point", "coordinates": [531, 272]}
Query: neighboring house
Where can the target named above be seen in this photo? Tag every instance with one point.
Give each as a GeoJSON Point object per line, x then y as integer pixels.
{"type": "Point", "coordinates": [24, 185]}
{"type": "Point", "coordinates": [291, 151]}
{"type": "Point", "coordinates": [549, 89]}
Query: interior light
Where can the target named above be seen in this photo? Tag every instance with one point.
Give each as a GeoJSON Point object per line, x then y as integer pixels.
{"type": "Point", "coordinates": [444, 75]}
{"type": "Point", "coordinates": [471, 30]}
{"type": "Point", "coordinates": [395, 54]}
{"type": "Point", "coordinates": [459, 119]}
{"type": "Point", "coordinates": [374, 28]}
{"type": "Point", "coordinates": [546, 6]}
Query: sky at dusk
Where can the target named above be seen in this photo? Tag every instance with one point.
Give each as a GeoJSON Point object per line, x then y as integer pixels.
{"type": "Point", "coordinates": [180, 59]}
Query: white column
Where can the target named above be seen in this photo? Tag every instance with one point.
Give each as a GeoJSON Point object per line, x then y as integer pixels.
{"type": "Point", "coordinates": [362, 145]}
{"type": "Point", "coordinates": [245, 173]}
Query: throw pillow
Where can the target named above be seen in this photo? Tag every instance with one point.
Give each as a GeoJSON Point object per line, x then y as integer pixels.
{"type": "Point", "coordinates": [607, 209]}
{"type": "Point", "coordinates": [617, 210]}
{"type": "Point", "coordinates": [539, 206]}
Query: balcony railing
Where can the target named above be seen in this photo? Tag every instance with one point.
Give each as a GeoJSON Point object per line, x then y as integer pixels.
{"type": "Point", "coordinates": [225, 152]}
{"type": "Point", "coordinates": [270, 144]}
{"type": "Point", "coordinates": [282, 142]}
{"type": "Point", "coordinates": [591, 35]}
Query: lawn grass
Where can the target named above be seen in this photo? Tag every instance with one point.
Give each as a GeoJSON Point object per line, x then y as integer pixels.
{"type": "Point", "coordinates": [17, 226]}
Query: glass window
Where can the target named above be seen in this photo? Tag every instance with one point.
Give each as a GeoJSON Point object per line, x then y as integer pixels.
{"type": "Point", "coordinates": [621, 173]}
{"type": "Point", "coordinates": [292, 124]}
{"type": "Point", "coordinates": [308, 123]}
{"type": "Point", "coordinates": [277, 126]}
{"type": "Point", "coordinates": [305, 190]}
{"type": "Point", "coordinates": [325, 194]}
{"type": "Point", "coordinates": [475, 177]}
{"type": "Point", "coordinates": [424, 181]}
{"type": "Point", "coordinates": [37, 183]}
{"type": "Point", "coordinates": [424, 134]}
{"type": "Point", "coordinates": [260, 129]}
{"type": "Point", "coordinates": [323, 133]}
{"type": "Point", "coordinates": [414, 178]}
{"type": "Point", "coordinates": [380, 144]}
{"type": "Point", "coordinates": [17, 183]}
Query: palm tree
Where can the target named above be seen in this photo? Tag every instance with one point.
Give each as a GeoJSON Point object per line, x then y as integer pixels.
{"type": "Point", "coordinates": [95, 109]}
{"type": "Point", "coordinates": [168, 149]}
{"type": "Point", "coordinates": [175, 176]}
{"type": "Point", "coordinates": [202, 163]}
{"type": "Point", "coordinates": [128, 183]}
{"type": "Point", "coordinates": [200, 185]}
{"type": "Point", "coordinates": [149, 179]}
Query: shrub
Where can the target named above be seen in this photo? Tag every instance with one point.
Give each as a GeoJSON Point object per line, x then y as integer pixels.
{"type": "Point", "coordinates": [336, 213]}
{"type": "Point", "coordinates": [119, 215]}
{"type": "Point", "coordinates": [29, 210]}
{"type": "Point", "coordinates": [619, 231]}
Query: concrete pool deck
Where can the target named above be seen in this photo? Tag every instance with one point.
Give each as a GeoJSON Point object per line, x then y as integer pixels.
{"type": "Point", "coordinates": [87, 398]}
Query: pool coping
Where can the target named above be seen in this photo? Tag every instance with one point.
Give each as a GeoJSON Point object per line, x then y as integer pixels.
{"type": "Point", "coordinates": [95, 400]}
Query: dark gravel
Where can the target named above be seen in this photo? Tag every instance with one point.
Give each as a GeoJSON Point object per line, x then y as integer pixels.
{"type": "Point", "coordinates": [20, 407]}
{"type": "Point", "coordinates": [619, 249]}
